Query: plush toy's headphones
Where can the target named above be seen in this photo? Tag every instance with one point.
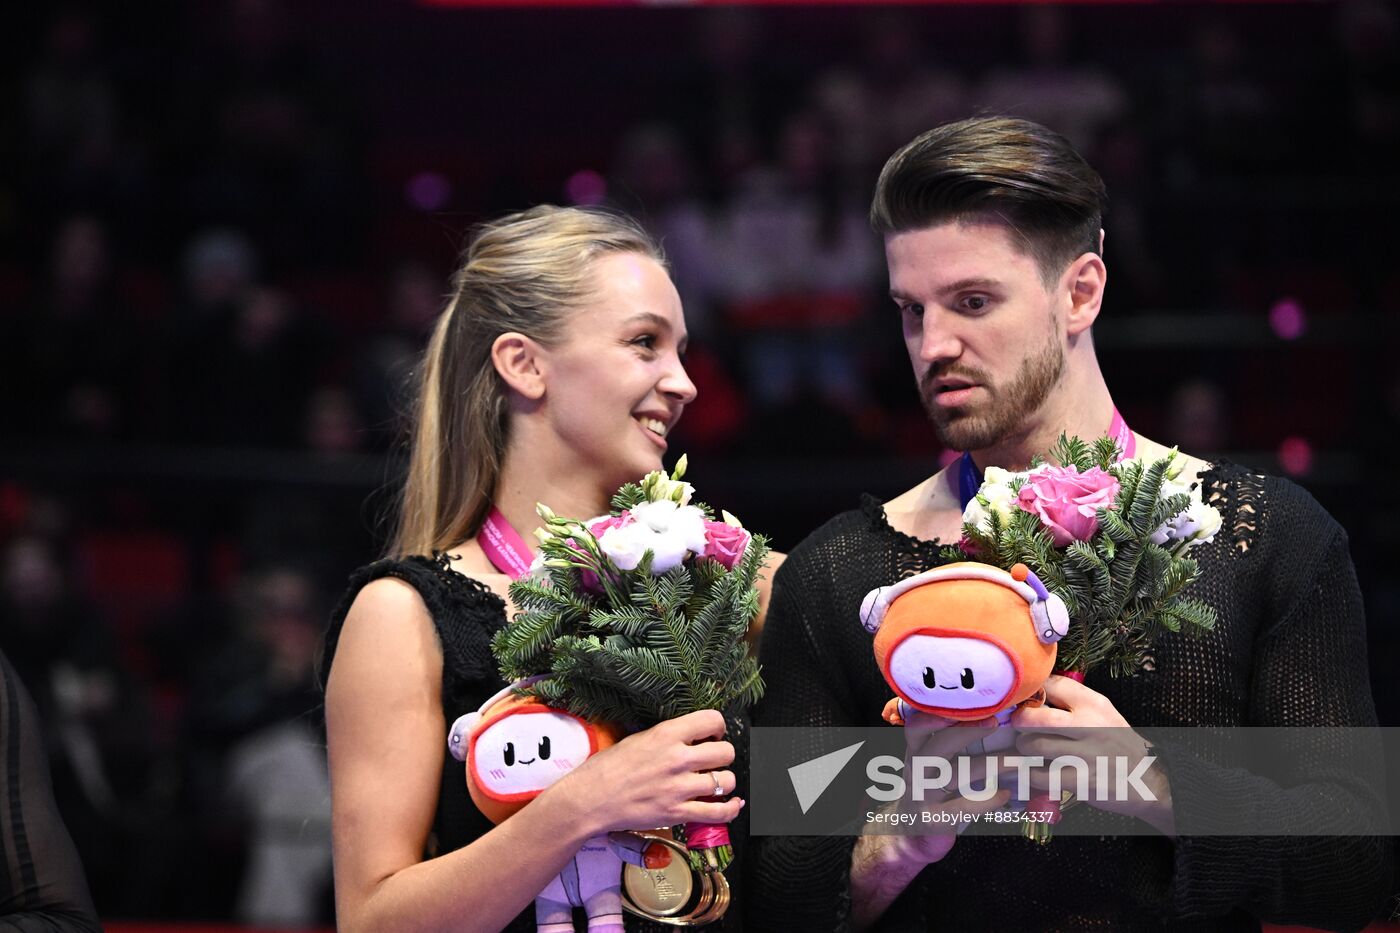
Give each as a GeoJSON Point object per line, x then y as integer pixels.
{"type": "Point", "coordinates": [462, 727]}
{"type": "Point", "coordinates": [1048, 611]}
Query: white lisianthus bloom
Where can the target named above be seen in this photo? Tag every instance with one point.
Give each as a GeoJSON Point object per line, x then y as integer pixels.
{"type": "Point", "coordinates": [1196, 524]}
{"type": "Point", "coordinates": [667, 529]}
{"type": "Point", "coordinates": [1177, 528]}
{"type": "Point", "coordinates": [624, 546]}
{"type": "Point", "coordinates": [537, 571]}
{"type": "Point", "coordinates": [1207, 521]}
{"type": "Point", "coordinates": [994, 496]}
{"type": "Point", "coordinates": [1171, 487]}
{"type": "Point", "coordinates": [976, 514]}
{"type": "Point", "coordinates": [996, 476]}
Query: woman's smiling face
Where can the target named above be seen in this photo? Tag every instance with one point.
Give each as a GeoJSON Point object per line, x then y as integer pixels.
{"type": "Point", "coordinates": [615, 384]}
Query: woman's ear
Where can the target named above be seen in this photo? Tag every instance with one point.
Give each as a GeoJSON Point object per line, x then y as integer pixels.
{"type": "Point", "coordinates": [519, 361]}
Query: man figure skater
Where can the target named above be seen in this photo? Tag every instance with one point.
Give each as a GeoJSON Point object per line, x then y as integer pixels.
{"type": "Point", "coordinates": [993, 235]}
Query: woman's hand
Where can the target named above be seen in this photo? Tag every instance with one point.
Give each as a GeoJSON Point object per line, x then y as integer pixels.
{"type": "Point", "coordinates": [656, 778]}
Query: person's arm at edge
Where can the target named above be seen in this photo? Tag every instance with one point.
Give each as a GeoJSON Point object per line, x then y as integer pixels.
{"type": "Point", "coordinates": [57, 898]}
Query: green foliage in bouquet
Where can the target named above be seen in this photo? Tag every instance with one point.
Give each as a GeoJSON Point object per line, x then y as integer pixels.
{"type": "Point", "coordinates": [1121, 589]}
{"type": "Point", "coordinates": [626, 646]}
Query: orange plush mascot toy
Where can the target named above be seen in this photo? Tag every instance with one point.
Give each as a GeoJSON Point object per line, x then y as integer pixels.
{"type": "Point", "coordinates": [515, 747]}
{"type": "Point", "coordinates": [965, 641]}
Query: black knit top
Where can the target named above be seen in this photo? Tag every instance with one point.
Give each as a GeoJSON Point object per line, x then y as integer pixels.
{"type": "Point", "coordinates": [466, 613]}
{"type": "Point", "coordinates": [1289, 650]}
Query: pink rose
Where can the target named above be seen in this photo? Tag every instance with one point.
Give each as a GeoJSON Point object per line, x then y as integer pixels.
{"type": "Point", "coordinates": [1067, 501]}
{"type": "Point", "coordinates": [725, 543]}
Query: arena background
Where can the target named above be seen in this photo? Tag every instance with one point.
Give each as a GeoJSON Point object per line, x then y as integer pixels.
{"type": "Point", "coordinates": [225, 227]}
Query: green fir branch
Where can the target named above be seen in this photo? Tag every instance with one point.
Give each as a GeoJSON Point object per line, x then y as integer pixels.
{"type": "Point", "coordinates": [1105, 453]}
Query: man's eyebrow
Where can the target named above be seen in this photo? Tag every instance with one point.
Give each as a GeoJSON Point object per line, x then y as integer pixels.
{"type": "Point", "coordinates": [961, 285]}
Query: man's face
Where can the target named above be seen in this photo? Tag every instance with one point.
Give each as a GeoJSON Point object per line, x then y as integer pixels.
{"type": "Point", "coordinates": [982, 331]}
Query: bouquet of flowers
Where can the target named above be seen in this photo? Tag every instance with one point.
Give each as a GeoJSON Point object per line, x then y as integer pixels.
{"type": "Point", "coordinates": [639, 616]}
{"type": "Point", "coordinates": [1110, 537]}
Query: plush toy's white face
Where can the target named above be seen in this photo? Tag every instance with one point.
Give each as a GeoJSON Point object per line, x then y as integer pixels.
{"type": "Point", "coordinates": [527, 752]}
{"type": "Point", "coordinates": [956, 673]}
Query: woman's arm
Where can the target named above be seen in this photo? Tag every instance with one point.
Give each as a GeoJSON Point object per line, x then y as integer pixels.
{"type": "Point", "coordinates": [387, 738]}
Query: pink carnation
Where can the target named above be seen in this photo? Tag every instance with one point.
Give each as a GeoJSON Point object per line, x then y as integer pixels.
{"type": "Point", "coordinates": [1067, 501]}
{"type": "Point", "coordinates": [725, 543]}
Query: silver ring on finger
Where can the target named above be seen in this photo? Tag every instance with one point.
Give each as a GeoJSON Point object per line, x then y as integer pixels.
{"type": "Point", "coordinates": [719, 788]}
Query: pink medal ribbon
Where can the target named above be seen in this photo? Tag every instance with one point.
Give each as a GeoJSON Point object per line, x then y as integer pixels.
{"type": "Point", "coordinates": [504, 547]}
{"type": "Point", "coordinates": [706, 835]}
{"type": "Point", "coordinates": [1122, 436]}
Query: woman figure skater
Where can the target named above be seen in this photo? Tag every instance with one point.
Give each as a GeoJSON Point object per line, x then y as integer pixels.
{"type": "Point", "coordinates": [554, 375]}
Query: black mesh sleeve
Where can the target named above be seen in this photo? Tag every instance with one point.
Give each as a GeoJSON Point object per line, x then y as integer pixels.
{"type": "Point", "coordinates": [42, 887]}
{"type": "Point", "coordinates": [1308, 671]}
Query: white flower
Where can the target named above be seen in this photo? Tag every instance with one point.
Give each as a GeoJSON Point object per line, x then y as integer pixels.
{"type": "Point", "coordinates": [1196, 524]}
{"type": "Point", "coordinates": [667, 529]}
{"type": "Point", "coordinates": [1171, 488]}
{"type": "Point", "coordinates": [994, 496]}
{"type": "Point", "coordinates": [1207, 521]}
{"type": "Point", "coordinates": [996, 476]}
{"type": "Point", "coordinates": [624, 546]}
{"type": "Point", "coordinates": [537, 572]}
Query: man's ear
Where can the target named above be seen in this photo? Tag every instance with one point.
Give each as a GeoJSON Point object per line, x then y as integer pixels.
{"type": "Point", "coordinates": [1085, 279]}
{"type": "Point", "coordinates": [519, 361]}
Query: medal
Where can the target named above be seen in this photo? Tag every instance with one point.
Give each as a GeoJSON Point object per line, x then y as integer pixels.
{"type": "Point", "coordinates": [675, 895]}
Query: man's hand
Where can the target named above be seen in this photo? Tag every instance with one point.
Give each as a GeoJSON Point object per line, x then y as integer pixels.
{"type": "Point", "coordinates": [1081, 722]}
{"type": "Point", "coordinates": [883, 866]}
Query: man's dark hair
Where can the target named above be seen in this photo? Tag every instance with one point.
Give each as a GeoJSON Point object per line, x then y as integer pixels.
{"type": "Point", "coordinates": [996, 168]}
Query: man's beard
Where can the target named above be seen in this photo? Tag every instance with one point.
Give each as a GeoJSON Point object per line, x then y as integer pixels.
{"type": "Point", "coordinates": [1008, 408]}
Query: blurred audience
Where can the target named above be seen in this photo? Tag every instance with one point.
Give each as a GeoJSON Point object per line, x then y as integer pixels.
{"type": "Point", "coordinates": [216, 298]}
{"type": "Point", "coordinates": [254, 717]}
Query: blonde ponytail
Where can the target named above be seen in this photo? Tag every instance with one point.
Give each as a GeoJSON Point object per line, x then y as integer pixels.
{"type": "Point", "coordinates": [522, 274]}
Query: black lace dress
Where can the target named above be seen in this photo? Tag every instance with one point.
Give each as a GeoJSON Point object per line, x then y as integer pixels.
{"type": "Point", "coordinates": [466, 614]}
{"type": "Point", "coordinates": [42, 887]}
{"type": "Point", "coordinates": [1289, 650]}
